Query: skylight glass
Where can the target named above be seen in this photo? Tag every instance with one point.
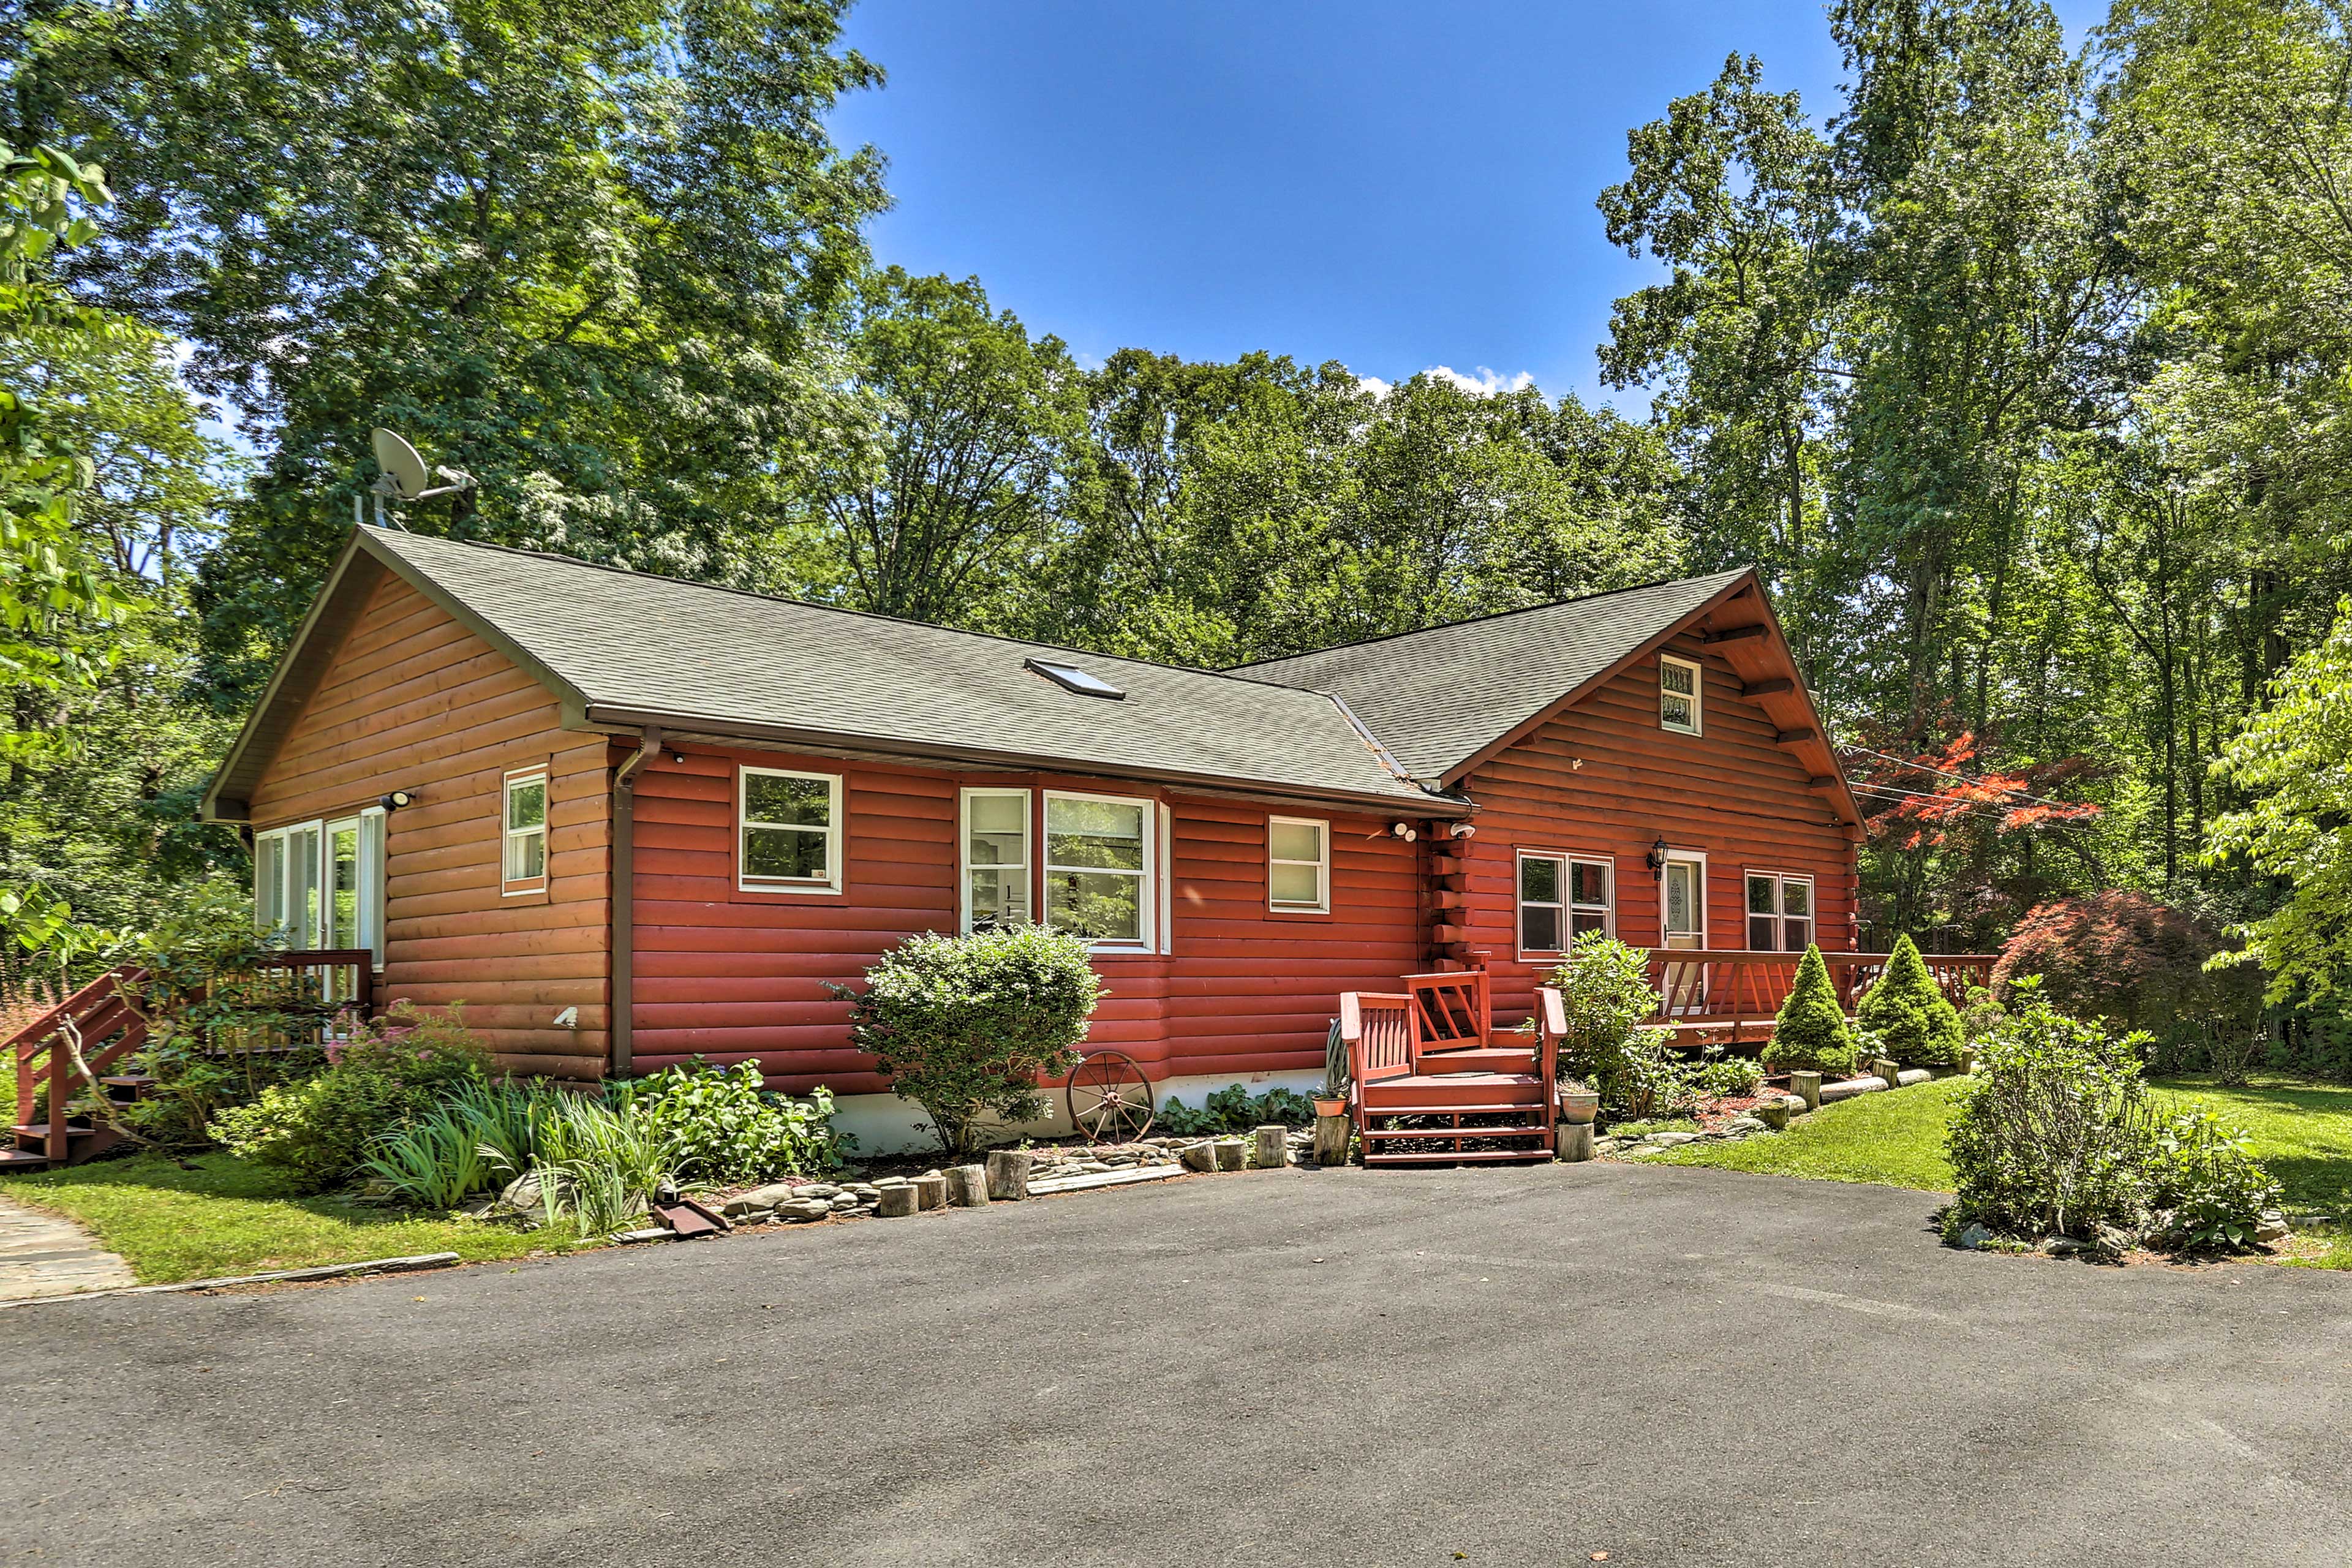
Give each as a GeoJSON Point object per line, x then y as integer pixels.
{"type": "Point", "coordinates": [1075, 679]}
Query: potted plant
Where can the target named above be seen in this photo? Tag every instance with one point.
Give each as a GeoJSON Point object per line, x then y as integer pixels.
{"type": "Point", "coordinates": [1578, 1104]}
{"type": "Point", "coordinates": [1331, 1099]}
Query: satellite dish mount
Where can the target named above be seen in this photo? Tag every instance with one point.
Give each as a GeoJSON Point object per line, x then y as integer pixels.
{"type": "Point", "coordinates": [405, 479]}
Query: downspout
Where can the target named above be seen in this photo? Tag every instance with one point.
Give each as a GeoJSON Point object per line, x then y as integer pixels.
{"type": "Point", "coordinates": [618, 1022]}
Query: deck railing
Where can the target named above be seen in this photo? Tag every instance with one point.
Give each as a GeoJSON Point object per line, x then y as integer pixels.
{"type": "Point", "coordinates": [1743, 988]}
{"type": "Point", "coordinates": [320, 997]}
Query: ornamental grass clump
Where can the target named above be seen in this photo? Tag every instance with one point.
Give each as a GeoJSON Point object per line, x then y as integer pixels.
{"type": "Point", "coordinates": [966, 1025]}
{"type": "Point", "coordinates": [1908, 1015]}
{"type": "Point", "coordinates": [1811, 1031]}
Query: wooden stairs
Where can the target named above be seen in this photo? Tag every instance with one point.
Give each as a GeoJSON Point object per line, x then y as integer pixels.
{"type": "Point", "coordinates": [1431, 1083]}
{"type": "Point", "coordinates": [47, 1131]}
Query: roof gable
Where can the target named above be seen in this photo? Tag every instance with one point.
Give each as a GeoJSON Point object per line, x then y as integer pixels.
{"type": "Point", "coordinates": [1439, 697]}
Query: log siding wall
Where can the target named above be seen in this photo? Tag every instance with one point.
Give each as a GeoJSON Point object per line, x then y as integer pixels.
{"type": "Point", "coordinates": [733, 975]}
{"type": "Point", "coordinates": [412, 699]}
{"type": "Point", "coordinates": [1604, 779]}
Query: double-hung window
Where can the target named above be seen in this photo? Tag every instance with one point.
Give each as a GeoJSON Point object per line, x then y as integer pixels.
{"type": "Point", "coordinates": [1299, 865]}
{"type": "Point", "coordinates": [995, 858]}
{"type": "Point", "coordinates": [791, 831]}
{"type": "Point", "coordinates": [1101, 878]}
{"type": "Point", "coordinates": [320, 884]}
{"type": "Point", "coordinates": [1779, 912]}
{"type": "Point", "coordinates": [1561, 897]}
{"type": "Point", "coordinates": [523, 851]}
{"type": "Point", "coordinates": [1679, 695]}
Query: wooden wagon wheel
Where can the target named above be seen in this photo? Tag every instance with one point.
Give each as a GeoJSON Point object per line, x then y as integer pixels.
{"type": "Point", "coordinates": [1109, 1098]}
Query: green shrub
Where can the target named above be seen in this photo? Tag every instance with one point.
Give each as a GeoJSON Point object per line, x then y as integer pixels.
{"type": "Point", "coordinates": [1725, 1077]}
{"type": "Point", "coordinates": [2205, 1189]}
{"type": "Point", "coordinates": [2051, 1134]}
{"type": "Point", "coordinates": [1232, 1109]}
{"type": "Point", "coordinates": [729, 1130]}
{"type": "Point", "coordinates": [966, 1025]}
{"type": "Point", "coordinates": [1606, 997]}
{"type": "Point", "coordinates": [1913, 1022]}
{"type": "Point", "coordinates": [321, 1130]}
{"type": "Point", "coordinates": [1811, 1031]}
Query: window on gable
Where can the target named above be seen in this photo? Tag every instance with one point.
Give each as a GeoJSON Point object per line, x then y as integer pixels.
{"type": "Point", "coordinates": [1299, 865]}
{"type": "Point", "coordinates": [791, 826]}
{"type": "Point", "coordinates": [524, 859]}
{"type": "Point", "coordinates": [1679, 695]}
{"type": "Point", "coordinates": [995, 858]}
{"type": "Point", "coordinates": [1561, 897]}
{"type": "Point", "coordinates": [1779, 912]}
{"type": "Point", "coordinates": [1099, 877]}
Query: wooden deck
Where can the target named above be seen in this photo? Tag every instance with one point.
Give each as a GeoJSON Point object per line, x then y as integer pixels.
{"type": "Point", "coordinates": [1713, 996]}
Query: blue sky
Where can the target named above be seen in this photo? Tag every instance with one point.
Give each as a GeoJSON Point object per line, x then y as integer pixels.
{"type": "Point", "coordinates": [1395, 186]}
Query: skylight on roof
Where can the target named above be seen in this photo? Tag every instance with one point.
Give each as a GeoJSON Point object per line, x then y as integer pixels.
{"type": "Point", "coordinates": [1072, 678]}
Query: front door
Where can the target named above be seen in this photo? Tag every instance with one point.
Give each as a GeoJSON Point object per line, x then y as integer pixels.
{"type": "Point", "coordinates": [1682, 917]}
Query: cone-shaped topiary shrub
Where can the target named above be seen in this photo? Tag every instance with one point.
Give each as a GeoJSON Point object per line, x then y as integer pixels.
{"type": "Point", "coordinates": [1811, 1031]}
{"type": "Point", "coordinates": [1909, 1015]}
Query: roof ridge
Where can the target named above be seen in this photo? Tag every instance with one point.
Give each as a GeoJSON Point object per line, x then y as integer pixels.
{"type": "Point", "coordinates": [561, 558]}
{"type": "Point", "coordinates": [1491, 615]}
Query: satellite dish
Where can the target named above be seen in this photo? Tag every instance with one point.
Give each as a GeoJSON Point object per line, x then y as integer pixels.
{"type": "Point", "coordinates": [409, 478]}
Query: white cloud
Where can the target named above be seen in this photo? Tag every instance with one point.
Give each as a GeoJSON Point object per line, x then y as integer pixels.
{"type": "Point", "coordinates": [1375, 385]}
{"type": "Point", "coordinates": [1487, 382]}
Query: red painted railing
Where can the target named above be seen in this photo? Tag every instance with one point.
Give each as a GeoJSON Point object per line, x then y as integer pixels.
{"type": "Point", "coordinates": [325, 992]}
{"type": "Point", "coordinates": [1741, 990]}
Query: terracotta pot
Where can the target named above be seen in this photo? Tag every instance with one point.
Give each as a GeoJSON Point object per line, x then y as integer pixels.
{"type": "Point", "coordinates": [1329, 1107]}
{"type": "Point", "coordinates": [1579, 1106]}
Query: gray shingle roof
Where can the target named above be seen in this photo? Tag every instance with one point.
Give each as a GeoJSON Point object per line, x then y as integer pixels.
{"type": "Point", "coordinates": [1437, 698]}
{"type": "Point", "coordinates": [627, 643]}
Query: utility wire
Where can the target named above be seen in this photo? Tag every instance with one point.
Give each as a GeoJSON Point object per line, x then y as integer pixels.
{"type": "Point", "coordinates": [1964, 778]}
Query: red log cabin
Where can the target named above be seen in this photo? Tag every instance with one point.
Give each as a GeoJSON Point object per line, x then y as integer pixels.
{"type": "Point", "coordinates": [628, 820]}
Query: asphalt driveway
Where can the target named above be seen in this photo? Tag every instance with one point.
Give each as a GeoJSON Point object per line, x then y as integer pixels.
{"type": "Point", "coordinates": [1512, 1367]}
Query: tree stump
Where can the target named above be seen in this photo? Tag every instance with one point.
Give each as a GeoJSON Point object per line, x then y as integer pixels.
{"type": "Point", "coordinates": [1008, 1174]}
{"type": "Point", "coordinates": [1575, 1139]}
{"type": "Point", "coordinates": [930, 1192]}
{"type": "Point", "coordinates": [1332, 1136]}
{"type": "Point", "coordinates": [968, 1187]}
{"type": "Point", "coordinates": [1272, 1150]}
{"type": "Point", "coordinates": [1889, 1070]}
{"type": "Point", "coordinates": [1198, 1157]}
{"type": "Point", "coordinates": [1231, 1154]}
{"type": "Point", "coordinates": [1806, 1087]}
{"type": "Point", "coordinates": [896, 1201]}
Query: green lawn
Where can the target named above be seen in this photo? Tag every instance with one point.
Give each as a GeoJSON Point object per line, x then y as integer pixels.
{"type": "Point", "coordinates": [2301, 1132]}
{"type": "Point", "coordinates": [228, 1216]}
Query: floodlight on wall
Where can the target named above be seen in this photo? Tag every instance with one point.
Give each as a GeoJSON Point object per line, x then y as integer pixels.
{"type": "Point", "coordinates": [1462, 830]}
{"type": "Point", "coordinates": [1404, 830]}
{"type": "Point", "coordinates": [393, 800]}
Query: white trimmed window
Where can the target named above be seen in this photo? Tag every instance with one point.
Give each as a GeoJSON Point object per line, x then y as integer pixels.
{"type": "Point", "coordinates": [1561, 897]}
{"type": "Point", "coordinates": [523, 855]}
{"type": "Point", "coordinates": [1101, 881]}
{"type": "Point", "coordinates": [995, 858]}
{"type": "Point", "coordinates": [1679, 695]}
{"type": "Point", "coordinates": [1299, 865]}
{"type": "Point", "coordinates": [791, 831]}
{"type": "Point", "coordinates": [322, 883]}
{"type": "Point", "coordinates": [1779, 912]}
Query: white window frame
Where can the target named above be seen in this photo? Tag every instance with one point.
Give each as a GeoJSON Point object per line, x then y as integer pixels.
{"type": "Point", "coordinates": [964, 867]}
{"type": "Point", "coordinates": [1322, 864]}
{"type": "Point", "coordinates": [835, 830]}
{"type": "Point", "coordinates": [1780, 916]}
{"type": "Point", "coordinates": [1567, 861]}
{"type": "Point", "coordinates": [1697, 695]}
{"type": "Point", "coordinates": [526, 887]}
{"type": "Point", "coordinates": [369, 823]}
{"type": "Point", "coordinates": [1148, 896]}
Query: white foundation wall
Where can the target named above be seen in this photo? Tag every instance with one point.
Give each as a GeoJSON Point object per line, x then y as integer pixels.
{"type": "Point", "coordinates": [885, 1124]}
